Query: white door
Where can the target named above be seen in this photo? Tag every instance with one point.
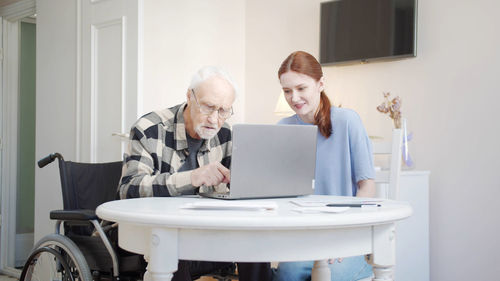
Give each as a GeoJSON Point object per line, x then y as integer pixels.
{"type": "Point", "coordinates": [88, 87]}
{"type": "Point", "coordinates": [110, 76]}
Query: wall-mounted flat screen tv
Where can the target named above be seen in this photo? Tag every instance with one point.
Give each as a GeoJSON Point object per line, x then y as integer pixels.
{"type": "Point", "coordinates": [363, 30]}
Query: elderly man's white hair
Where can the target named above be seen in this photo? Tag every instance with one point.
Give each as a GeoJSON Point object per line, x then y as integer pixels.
{"type": "Point", "coordinates": [207, 72]}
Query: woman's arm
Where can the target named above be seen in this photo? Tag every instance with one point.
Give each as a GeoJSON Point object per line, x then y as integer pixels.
{"type": "Point", "coordinates": [366, 188]}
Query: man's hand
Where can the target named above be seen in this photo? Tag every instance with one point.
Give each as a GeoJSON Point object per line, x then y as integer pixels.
{"type": "Point", "coordinates": [210, 175]}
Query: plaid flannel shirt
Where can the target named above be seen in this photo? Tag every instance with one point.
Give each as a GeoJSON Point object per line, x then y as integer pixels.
{"type": "Point", "coordinates": [158, 148]}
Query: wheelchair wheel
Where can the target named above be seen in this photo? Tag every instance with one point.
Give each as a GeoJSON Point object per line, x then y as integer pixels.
{"type": "Point", "coordinates": [56, 258]}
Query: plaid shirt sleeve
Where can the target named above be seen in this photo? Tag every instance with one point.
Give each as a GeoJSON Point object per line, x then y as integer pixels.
{"type": "Point", "coordinates": [151, 164]}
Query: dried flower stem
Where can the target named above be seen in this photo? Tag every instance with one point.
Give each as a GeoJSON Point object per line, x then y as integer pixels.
{"type": "Point", "coordinates": [392, 107]}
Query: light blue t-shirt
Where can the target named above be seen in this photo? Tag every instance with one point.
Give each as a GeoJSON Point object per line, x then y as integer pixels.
{"type": "Point", "coordinates": [345, 157]}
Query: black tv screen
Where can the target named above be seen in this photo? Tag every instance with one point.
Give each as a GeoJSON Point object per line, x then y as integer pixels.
{"type": "Point", "coordinates": [364, 30]}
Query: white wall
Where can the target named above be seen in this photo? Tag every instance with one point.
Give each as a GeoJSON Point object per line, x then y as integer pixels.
{"type": "Point", "coordinates": [450, 96]}
{"type": "Point", "coordinates": [274, 29]}
{"type": "Point", "coordinates": [182, 36]}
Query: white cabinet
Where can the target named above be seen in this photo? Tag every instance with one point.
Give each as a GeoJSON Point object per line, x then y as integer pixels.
{"type": "Point", "coordinates": [412, 234]}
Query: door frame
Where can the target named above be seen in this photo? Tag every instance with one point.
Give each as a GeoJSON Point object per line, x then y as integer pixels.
{"type": "Point", "coordinates": [10, 32]}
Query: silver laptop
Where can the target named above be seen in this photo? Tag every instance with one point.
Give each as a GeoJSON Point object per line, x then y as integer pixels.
{"type": "Point", "coordinates": [271, 161]}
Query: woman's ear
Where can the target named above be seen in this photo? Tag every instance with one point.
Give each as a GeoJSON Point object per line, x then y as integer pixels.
{"type": "Point", "coordinates": [321, 84]}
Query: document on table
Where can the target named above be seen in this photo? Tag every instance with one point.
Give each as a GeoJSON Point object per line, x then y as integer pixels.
{"type": "Point", "coordinates": [330, 206]}
{"type": "Point", "coordinates": [231, 205]}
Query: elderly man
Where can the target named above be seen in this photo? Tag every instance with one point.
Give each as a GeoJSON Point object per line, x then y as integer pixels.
{"type": "Point", "coordinates": [184, 150]}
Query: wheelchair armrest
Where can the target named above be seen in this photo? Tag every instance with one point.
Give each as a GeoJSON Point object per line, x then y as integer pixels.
{"type": "Point", "coordinates": [73, 215]}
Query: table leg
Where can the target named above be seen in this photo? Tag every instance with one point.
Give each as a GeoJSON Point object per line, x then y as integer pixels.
{"type": "Point", "coordinates": [320, 271]}
{"type": "Point", "coordinates": [162, 257]}
{"type": "Point", "coordinates": [384, 252]}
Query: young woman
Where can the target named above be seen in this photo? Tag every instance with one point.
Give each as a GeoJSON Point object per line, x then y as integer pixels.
{"type": "Point", "coordinates": [344, 161]}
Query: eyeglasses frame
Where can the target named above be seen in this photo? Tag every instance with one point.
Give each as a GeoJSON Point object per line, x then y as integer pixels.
{"type": "Point", "coordinates": [231, 112]}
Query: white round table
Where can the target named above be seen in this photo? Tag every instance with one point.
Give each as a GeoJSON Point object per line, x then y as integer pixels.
{"type": "Point", "coordinates": [164, 231]}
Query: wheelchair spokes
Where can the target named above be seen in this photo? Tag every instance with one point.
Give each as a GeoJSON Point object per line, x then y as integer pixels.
{"type": "Point", "coordinates": [56, 258]}
{"type": "Point", "coordinates": [48, 263]}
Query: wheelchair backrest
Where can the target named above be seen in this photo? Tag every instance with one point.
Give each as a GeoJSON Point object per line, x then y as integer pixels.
{"type": "Point", "coordinates": [87, 185]}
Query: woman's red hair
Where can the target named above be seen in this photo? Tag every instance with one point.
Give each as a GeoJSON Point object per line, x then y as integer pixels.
{"type": "Point", "coordinates": [305, 63]}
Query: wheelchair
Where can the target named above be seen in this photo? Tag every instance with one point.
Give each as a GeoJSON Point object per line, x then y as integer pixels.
{"type": "Point", "coordinates": [87, 249]}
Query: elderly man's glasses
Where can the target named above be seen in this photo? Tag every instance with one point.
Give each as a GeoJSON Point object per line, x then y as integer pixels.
{"type": "Point", "coordinates": [208, 110]}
